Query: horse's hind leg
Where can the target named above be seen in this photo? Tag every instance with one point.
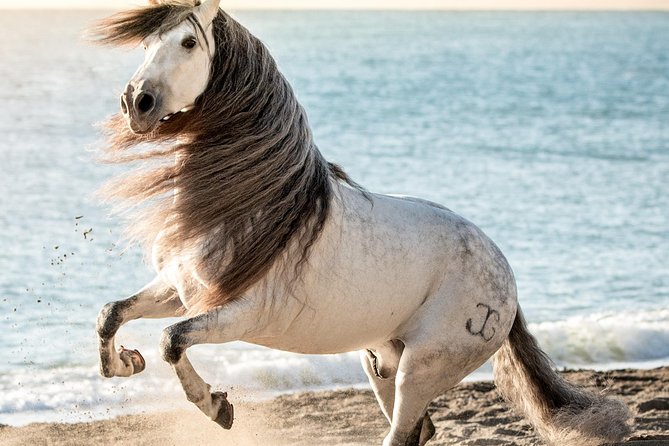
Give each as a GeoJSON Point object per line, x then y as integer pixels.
{"type": "Point", "coordinates": [156, 300]}
{"type": "Point", "coordinates": [219, 325]}
{"type": "Point", "coordinates": [427, 430]}
{"type": "Point", "coordinates": [380, 364]}
{"type": "Point", "coordinates": [421, 376]}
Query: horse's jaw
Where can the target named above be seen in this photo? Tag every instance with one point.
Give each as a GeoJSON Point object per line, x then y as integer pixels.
{"type": "Point", "coordinates": [141, 127]}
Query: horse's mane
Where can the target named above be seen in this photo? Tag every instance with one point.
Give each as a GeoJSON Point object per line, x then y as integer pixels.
{"type": "Point", "coordinates": [250, 182]}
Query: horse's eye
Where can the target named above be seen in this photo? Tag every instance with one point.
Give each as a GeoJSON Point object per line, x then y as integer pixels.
{"type": "Point", "coordinates": [189, 43]}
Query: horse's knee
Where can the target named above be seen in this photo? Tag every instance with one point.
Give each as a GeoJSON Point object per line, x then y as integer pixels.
{"type": "Point", "coordinates": [173, 343]}
{"type": "Point", "coordinates": [110, 319]}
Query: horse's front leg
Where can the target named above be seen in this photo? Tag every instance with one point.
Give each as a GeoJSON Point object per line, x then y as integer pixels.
{"type": "Point", "coordinates": [155, 300]}
{"type": "Point", "coordinates": [219, 325]}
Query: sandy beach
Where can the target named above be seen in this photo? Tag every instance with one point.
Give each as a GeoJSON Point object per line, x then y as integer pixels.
{"type": "Point", "coordinates": [470, 414]}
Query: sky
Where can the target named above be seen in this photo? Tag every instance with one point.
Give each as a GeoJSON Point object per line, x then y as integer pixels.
{"type": "Point", "coordinates": [362, 4]}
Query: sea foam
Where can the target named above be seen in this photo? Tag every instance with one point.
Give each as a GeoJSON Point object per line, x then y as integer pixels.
{"type": "Point", "coordinates": [600, 339]}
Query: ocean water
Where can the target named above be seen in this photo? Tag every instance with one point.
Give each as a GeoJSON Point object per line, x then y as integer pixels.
{"type": "Point", "coordinates": [549, 130]}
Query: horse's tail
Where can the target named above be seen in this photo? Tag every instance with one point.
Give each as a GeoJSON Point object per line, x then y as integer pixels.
{"type": "Point", "coordinates": [562, 413]}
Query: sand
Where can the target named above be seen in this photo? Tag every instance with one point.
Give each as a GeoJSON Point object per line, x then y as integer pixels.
{"type": "Point", "coordinates": [470, 414]}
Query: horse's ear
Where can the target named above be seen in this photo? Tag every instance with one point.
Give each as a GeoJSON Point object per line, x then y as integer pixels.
{"type": "Point", "coordinates": [207, 11]}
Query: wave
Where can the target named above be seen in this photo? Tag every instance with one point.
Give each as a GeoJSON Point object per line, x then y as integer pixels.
{"type": "Point", "coordinates": [600, 339]}
{"type": "Point", "coordinates": [78, 393]}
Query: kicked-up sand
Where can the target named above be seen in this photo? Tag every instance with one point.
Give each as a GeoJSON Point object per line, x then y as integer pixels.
{"type": "Point", "coordinates": [471, 414]}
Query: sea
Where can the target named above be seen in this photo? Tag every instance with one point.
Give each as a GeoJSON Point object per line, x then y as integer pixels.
{"type": "Point", "coordinates": [548, 130]}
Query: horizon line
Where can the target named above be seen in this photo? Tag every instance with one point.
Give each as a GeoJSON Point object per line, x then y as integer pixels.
{"type": "Point", "coordinates": [364, 9]}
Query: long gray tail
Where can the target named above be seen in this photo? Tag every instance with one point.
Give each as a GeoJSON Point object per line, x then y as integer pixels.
{"type": "Point", "coordinates": [562, 413]}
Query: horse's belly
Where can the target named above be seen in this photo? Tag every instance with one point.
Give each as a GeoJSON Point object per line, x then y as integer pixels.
{"type": "Point", "coordinates": [361, 295]}
{"type": "Point", "coordinates": [335, 316]}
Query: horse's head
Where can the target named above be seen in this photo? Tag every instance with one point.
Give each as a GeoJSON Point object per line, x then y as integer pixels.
{"type": "Point", "coordinates": [175, 71]}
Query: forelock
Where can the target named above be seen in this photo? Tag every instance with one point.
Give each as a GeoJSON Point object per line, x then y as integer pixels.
{"type": "Point", "coordinates": [131, 27]}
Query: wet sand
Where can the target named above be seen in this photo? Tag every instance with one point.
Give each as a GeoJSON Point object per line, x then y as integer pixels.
{"type": "Point", "coordinates": [470, 414]}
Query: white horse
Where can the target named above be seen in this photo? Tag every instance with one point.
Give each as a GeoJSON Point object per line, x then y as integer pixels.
{"type": "Point", "coordinates": [263, 241]}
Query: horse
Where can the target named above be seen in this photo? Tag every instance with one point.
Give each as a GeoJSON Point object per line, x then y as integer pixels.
{"type": "Point", "coordinates": [255, 237]}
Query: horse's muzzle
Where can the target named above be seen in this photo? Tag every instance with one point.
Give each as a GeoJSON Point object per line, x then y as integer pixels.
{"type": "Point", "coordinates": [139, 107]}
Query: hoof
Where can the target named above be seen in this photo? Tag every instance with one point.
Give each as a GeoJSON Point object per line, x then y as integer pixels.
{"type": "Point", "coordinates": [132, 358]}
{"type": "Point", "coordinates": [226, 412]}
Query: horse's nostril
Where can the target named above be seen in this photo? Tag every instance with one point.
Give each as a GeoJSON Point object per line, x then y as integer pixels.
{"type": "Point", "coordinates": [145, 103]}
{"type": "Point", "coordinates": [124, 105]}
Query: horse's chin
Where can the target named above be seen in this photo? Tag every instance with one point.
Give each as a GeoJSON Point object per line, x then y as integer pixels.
{"type": "Point", "coordinates": [141, 132]}
{"type": "Point", "coordinates": [142, 128]}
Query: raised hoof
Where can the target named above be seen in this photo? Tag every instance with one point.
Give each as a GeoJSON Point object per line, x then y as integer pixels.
{"type": "Point", "coordinates": [226, 412]}
{"type": "Point", "coordinates": [133, 358]}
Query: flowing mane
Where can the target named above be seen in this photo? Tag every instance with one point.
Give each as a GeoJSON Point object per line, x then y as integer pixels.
{"type": "Point", "coordinates": [250, 182]}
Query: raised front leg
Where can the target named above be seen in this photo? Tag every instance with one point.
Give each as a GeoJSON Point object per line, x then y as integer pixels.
{"type": "Point", "coordinates": [219, 325]}
{"type": "Point", "coordinates": [155, 300]}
